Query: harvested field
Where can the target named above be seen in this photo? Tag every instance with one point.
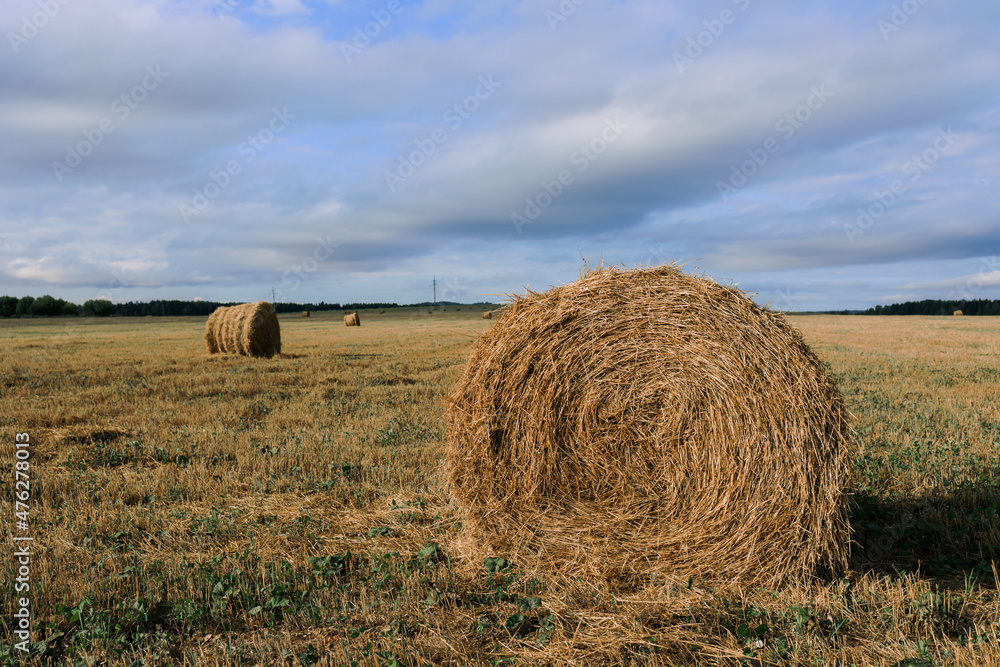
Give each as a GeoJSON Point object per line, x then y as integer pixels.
{"type": "Point", "coordinates": [229, 510]}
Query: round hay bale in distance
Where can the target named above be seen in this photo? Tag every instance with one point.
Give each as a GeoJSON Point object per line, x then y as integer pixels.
{"type": "Point", "coordinates": [305, 313]}
{"type": "Point", "coordinates": [250, 329]}
{"type": "Point", "coordinates": [644, 421]}
{"type": "Point", "coordinates": [352, 320]}
{"type": "Point", "coordinates": [487, 315]}
{"type": "Point", "coordinates": [958, 313]}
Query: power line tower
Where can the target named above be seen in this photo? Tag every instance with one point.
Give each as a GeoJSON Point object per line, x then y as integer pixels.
{"type": "Point", "coordinates": [435, 284]}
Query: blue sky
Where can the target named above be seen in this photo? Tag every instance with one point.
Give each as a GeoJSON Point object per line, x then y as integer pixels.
{"type": "Point", "coordinates": [821, 155]}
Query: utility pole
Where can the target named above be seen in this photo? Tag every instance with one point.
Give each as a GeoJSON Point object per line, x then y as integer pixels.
{"type": "Point", "coordinates": [272, 295]}
{"type": "Point", "coordinates": [435, 283]}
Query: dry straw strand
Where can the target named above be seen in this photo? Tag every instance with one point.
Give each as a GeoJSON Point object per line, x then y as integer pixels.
{"type": "Point", "coordinates": [642, 421]}
{"type": "Point", "coordinates": [352, 320]}
{"type": "Point", "coordinates": [250, 329]}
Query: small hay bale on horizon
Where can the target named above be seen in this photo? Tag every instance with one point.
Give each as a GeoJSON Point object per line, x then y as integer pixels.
{"type": "Point", "coordinates": [487, 315]}
{"type": "Point", "coordinates": [958, 313]}
{"type": "Point", "coordinates": [250, 329]}
{"type": "Point", "coordinates": [305, 313]}
{"type": "Point", "coordinates": [647, 421]}
{"type": "Point", "coordinates": [352, 320]}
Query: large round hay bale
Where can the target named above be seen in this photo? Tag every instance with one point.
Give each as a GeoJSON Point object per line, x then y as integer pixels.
{"type": "Point", "coordinates": [250, 329]}
{"type": "Point", "coordinates": [957, 313]}
{"type": "Point", "coordinates": [648, 421]}
{"type": "Point", "coordinates": [352, 320]}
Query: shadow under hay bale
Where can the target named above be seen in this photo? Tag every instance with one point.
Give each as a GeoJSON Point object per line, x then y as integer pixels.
{"type": "Point", "coordinates": [647, 421]}
{"type": "Point", "coordinates": [936, 533]}
{"type": "Point", "coordinates": [250, 329]}
{"type": "Point", "coordinates": [352, 320]}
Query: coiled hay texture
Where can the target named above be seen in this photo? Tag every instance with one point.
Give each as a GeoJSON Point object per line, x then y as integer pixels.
{"type": "Point", "coordinates": [212, 330]}
{"type": "Point", "coordinates": [250, 329]}
{"type": "Point", "coordinates": [352, 320]}
{"type": "Point", "coordinates": [644, 421]}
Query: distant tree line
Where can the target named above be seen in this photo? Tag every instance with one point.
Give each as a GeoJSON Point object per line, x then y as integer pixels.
{"type": "Point", "coordinates": [939, 307]}
{"type": "Point", "coordinates": [362, 306]}
{"type": "Point", "coordinates": [176, 308]}
{"type": "Point", "coordinates": [48, 306]}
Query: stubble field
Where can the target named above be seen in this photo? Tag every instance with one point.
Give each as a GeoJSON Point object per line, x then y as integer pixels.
{"type": "Point", "coordinates": [194, 509]}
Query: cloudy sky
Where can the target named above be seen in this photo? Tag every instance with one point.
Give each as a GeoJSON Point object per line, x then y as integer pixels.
{"type": "Point", "coordinates": [822, 155]}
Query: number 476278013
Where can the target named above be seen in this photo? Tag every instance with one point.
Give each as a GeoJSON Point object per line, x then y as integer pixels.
{"type": "Point", "coordinates": [22, 483]}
